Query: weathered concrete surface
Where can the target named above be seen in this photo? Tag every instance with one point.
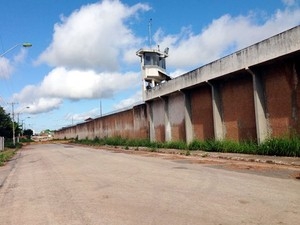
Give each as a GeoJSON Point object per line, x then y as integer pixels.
{"type": "Point", "coordinates": [131, 123]}
{"type": "Point", "coordinates": [63, 184]}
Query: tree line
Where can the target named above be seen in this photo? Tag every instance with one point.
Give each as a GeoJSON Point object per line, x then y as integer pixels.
{"type": "Point", "coordinates": [6, 127]}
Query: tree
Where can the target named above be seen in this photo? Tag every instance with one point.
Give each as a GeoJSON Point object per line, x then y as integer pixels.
{"type": "Point", "coordinates": [5, 124]}
{"type": "Point", "coordinates": [18, 129]}
{"type": "Point", "coordinates": [28, 133]}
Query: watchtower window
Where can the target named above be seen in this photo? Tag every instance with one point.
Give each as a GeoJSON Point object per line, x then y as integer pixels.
{"type": "Point", "coordinates": [147, 60]}
{"type": "Point", "coordinates": [162, 63]}
{"type": "Point", "coordinates": [151, 59]}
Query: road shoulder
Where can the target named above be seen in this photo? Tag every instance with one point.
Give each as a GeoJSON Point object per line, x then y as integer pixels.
{"type": "Point", "coordinates": [8, 167]}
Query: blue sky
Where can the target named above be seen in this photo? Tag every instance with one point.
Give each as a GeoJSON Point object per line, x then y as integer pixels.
{"type": "Point", "coordinates": [83, 51]}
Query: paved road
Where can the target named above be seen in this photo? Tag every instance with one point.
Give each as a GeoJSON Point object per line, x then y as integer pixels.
{"type": "Point", "coordinates": [60, 184]}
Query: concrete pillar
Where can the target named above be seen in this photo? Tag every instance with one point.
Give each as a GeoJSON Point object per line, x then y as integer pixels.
{"type": "Point", "coordinates": [168, 133]}
{"type": "Point", "coordinates": [260, 107]}
{"type": "Point", "coordinates": [189, 132]}
{"type": "Point", "coordinates": [151, 123]}
{"type": "Point", "coordinates": [219, 129]}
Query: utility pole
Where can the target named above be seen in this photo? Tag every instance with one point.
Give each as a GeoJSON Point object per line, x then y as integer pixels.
{"type": "Point", "coordinates": [100, 104]}
{"type": "Point", "coordinates": [13, 122]}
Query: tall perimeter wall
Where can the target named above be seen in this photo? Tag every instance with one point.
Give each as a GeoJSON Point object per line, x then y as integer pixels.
{"type": "Point", "coordinates": [130, 123]}
{"type": "Point", "coordinates": [251, 94]}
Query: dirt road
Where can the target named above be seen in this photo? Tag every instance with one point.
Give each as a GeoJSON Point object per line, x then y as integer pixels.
{"type": "Point", "coordinates": [62, 184]}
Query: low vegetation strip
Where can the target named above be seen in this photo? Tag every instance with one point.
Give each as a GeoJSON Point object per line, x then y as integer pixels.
{"type": "Point", "coordinates": [9, 151]}
{"type": "Point", "coordinates": [6, 155]}
{"type": "Point", "coordinates": [272, 147]}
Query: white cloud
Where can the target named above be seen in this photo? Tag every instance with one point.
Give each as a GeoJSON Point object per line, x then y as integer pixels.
{"type": "Point", "coordinates": [77, 84]}
{"type": "Point", "coordinates": [41, 105]}
{"type": "Point", "coordinates": [94, 37]}
{"type": "Point", "coordinates": [289, 2]}
{"type": "Point", "coordinates": [5, 68]}
{"type": "Point", "coordinates": [31, 97]}
{"type": "Point", "coordinates": [87, 49]}
{"type": "Point", "coordinates": [82, 116]}
{"type": "Point", "coordinates": [131, 101]}
{"type": "Point", "coordinates": [223, 36]}
{"type": "Point", "coordinates": [130, 55]}
{"type": "Point", "coordinates": [177, 73]}
{"type": "Point", "coordinates": [95, 40]}
{"type": "Point", "coordinates": [61, 83]}
{"type": "Point", "coordinates": [20, 57]}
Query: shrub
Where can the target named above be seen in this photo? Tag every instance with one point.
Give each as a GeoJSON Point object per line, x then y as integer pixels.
{"type": "Point", "coordinates": [96, 140]}
{"type": "Point", "coordinates": [280, 147]}
{"type": "Point", "coordinates": [175, 145]}
{"type": "Point", "coordinates": [196, 145]}
{"type": "Point", "coordinates": [26, 140]}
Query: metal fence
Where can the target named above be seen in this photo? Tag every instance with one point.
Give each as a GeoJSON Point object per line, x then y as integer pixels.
{"type": "Point", "coordinates": [1, 143]}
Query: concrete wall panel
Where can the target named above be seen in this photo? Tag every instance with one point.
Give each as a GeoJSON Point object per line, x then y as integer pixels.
{"type": "Point", "coordinates": [159, 119]}
{"type": "Point", "coordinates": [176, 116]}
{"type": "Point", "coordinates": [282, 91]}
{"type": "Point", "coordinates": [202, 116]}
{"type": "Point", "coordinates": [238, 108]}
{"type": "Point", "coordinates": [295, 67]}
{"type": "Point", "coordinates": [141, 124]}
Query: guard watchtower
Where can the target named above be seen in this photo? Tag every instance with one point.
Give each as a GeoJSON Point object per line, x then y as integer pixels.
{"type": "Point", "coordinates": [153, 66]}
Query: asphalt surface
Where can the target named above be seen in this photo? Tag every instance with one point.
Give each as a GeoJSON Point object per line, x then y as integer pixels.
{"type": "Point", "coordinates": [64, 184]}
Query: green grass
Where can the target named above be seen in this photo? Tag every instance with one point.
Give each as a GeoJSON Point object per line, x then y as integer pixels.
{"type": "Point", "coordinates": [26, 140]}
{"type": "Point", "coordinates": [223, 146]}
{"type": "Point", "coordinates": [6, 155]}
{"type": "Point", "coordinates": [275, 146]}
{"type": "Point", "coordinates": [280, 147]}
{"type": "Point", "coordinates": [175, 145]}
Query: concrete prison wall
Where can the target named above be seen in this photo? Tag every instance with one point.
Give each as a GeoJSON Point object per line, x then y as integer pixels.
{"type": "Point", "coordinates": [131, 123]}
{"type": "Point", "coordinates": [252, 94]}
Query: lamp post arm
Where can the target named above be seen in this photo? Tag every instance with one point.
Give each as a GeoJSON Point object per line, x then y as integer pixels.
{"type": "Point", "coordinates": [25, 45]}
{"type": "Point", "coordinates": [12, 48]}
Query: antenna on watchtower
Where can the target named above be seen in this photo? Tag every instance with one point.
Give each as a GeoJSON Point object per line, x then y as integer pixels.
{"type": "Point", "coordinates": [149, 32]}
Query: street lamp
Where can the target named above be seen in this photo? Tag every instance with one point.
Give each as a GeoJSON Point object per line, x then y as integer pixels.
{"type": "Point", "coordinates": [25, 45]}
{"type": "Point", "coordinates": [13, 121]}
{"type": "Point", "coordinates": [18, 139]}
{"type": "Point", "coordinates": [23, 124]}
{"type": "Point", "coordinates": [18, 113]}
